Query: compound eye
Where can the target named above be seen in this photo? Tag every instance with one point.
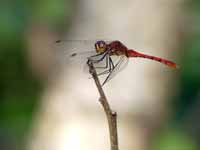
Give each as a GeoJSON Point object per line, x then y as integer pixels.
{"type": "Point", "coordinates": [101, 45]}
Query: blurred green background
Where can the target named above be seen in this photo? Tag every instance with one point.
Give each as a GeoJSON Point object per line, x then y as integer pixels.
{"type": "Point", "coordinates": [20, 88]}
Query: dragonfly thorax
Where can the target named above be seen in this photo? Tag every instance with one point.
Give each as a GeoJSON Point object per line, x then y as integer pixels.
{"type": "Point", "coordinates": [100, 46]}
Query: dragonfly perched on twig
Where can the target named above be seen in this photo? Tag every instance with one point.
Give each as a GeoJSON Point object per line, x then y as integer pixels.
{"type": "Point", "coordinates": [104, 51]}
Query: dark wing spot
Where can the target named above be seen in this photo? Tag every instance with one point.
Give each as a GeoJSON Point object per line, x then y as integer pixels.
{"type": "Point", "coordinates": [58, 41]}
{"type": "Point", "coordinates": [74, 54]}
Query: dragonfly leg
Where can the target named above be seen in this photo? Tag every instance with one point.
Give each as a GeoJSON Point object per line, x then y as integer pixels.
{"type": "Point", "coordinates": [99, 54]}
{"type": "Point", "coordinates": [93, 56]}
{"type": "Point", "coordinates": [106, 65]}
{"type": "Point", "coordinates": [111, 61]}
{"type": "Point", "coordinates": [110, 67]}
{"type": "Point", "coordinates": [96, 61]}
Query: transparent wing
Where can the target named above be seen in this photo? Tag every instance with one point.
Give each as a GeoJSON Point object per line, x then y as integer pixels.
{"type": "Point", "coordinates": [69, 49]}
{"type": "Point", "coordinates": [118, 66]}
{"type": "Point", "coordinates": [67, 41]}
{"type": "Point", "coordinates": [75, 49]}
{"type": "Point", "coordinates": [75, 54]}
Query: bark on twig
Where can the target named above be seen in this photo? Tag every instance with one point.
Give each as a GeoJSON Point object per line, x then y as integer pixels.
{"type": "Point", "coordinates": [111, 115]}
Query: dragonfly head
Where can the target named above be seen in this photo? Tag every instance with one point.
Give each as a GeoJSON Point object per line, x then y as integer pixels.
{"type": "Point", "coordinates": [100, 46]}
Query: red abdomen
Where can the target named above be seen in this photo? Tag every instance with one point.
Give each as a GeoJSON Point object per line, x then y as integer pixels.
{"type": "Point", "coordinates": [132, 53]}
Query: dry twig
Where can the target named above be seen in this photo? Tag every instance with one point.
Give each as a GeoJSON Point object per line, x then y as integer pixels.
{"type": "Point", "coordinates": [111, 115]}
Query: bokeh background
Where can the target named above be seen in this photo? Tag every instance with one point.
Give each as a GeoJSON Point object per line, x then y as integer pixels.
{"type": "Point", "coordinates": [27, 30]}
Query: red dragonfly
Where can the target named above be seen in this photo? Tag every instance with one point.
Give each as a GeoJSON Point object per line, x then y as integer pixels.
{"type": "Point", "coordinates": [105, 51]}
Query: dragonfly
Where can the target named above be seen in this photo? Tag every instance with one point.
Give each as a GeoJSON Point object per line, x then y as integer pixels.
{"type": "Point", "coordinates": [105, 51]}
